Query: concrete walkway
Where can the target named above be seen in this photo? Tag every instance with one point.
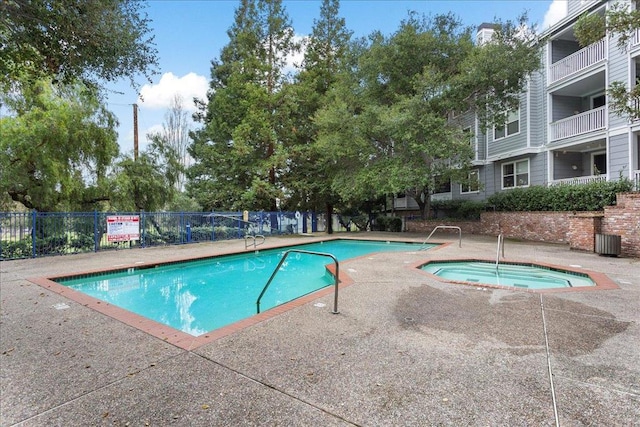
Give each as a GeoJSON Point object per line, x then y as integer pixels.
{"type": "Point", "coordinates": [405, 350]}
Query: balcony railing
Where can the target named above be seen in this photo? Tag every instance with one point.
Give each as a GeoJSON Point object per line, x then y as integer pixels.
{"type": "Point", "coordinates": [579, 180]}
{"type": "Point", "coordinates": [578, 61]}
{"type": "Point", "coordinates": [635, 38]}
{"type": "Point", "coordinates": [579, 124]}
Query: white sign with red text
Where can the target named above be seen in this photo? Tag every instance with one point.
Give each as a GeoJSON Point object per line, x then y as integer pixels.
{"type": "Point", "coordinates": [123, 228]}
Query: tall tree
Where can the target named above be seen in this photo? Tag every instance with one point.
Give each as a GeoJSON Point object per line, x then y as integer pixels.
{"type": "Point", "coordinates": [57, 145]}
{"type": "Point", "coordinates": [326, 52]}
{"type": "Point", "coordinates": [148, 182]}
{"type": "Point", "coordinates": [70, 40]}
{"type": "Point", "coordinates": [238, 153]}
{"type": "Point", "coordinates": [387, 129]}
{"type": "Point", "coordinates": [175, 134]}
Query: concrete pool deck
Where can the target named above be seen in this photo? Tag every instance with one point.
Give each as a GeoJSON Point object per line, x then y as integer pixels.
{"type": "Point", "coordinates": [405, 350]}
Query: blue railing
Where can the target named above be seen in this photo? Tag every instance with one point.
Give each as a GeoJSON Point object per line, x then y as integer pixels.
{"type": "Point", "coordinates": [37, 234]}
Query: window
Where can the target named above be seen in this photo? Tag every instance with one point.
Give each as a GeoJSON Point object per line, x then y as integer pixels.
{"type": "Point", "coordinates": [442, 186]}
{"type": "Point", "coordinates": [598, 101]}
{"type": "Point", "coordinates": [599, 163]}
{"type": "Point", "coordinates": [473, 183]}
{"type": "Point", "coordinates": [515, 174]}
{"type": "Point", "coordinates": [511, 127]}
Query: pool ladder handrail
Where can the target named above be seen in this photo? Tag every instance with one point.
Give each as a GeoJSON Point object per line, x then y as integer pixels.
{"type": "Point", "coordinates": [254, 237]}
{"type": "Point", "coordinates": [301, 251]}
{"type": "Point", "coordinates": [500, 246]}
{"type": "Point", "coordinates": [444, 227]}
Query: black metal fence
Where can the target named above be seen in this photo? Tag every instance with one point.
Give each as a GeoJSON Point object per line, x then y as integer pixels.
{"type": "Point", "coordinates": [37, 234]}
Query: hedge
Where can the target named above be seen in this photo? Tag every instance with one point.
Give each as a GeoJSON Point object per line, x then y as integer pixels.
{"type": "Point", "coordinates": [564, 198]}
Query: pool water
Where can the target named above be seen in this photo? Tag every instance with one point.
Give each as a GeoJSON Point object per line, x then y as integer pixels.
{"type": "Point", "coordinates": [514, 275]}
{"type": "Point", "coordinates": [199, 296]}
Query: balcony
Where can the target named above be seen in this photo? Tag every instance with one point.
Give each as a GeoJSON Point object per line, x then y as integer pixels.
{"type": "Point", "coordinates": [635, 38]}
{"type": "Point", "coordinates": [579, 124]}
{"type": "Point", "coordinates": [578, 61]}
{"type": "Point", "coordinates": [579, 180]}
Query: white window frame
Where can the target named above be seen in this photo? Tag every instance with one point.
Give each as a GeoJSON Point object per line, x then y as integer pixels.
{"type": "Point", "coordinates": [505, 127]}
{"type": "Point", "coordinates": [515, 174]}
{"type": "Point", "coordinates": [475, 172]}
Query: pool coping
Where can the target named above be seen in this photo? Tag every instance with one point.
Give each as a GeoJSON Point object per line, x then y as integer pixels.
{"type": "Point", "coordinates": [601, 280]}
{"type": "Point", "coordinates": [182, 339]}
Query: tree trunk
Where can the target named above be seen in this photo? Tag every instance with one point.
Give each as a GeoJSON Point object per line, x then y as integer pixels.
{"type": "Point", "coordinates": [329, 218]}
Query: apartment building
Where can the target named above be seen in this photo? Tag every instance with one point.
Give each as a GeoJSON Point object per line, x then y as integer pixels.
{"type": "Point", "coordinates": [564, 130]}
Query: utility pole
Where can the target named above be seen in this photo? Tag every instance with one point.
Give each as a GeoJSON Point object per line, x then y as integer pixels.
{"type": "Point", "coordinates": [135, 132]}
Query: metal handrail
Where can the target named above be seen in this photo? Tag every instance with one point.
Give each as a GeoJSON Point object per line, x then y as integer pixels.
{"type": "Point", "coordinates": [300, 251]}
{"type": "Point", "coordinates": [446, 226]}
{"type": "Point", "coordinates": [500, 245]}
{"type": "Point", "coordinates": [254, 237]}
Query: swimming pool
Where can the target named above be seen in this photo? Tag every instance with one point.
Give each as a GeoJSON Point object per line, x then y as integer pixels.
{"type": "Point", "coordinates": [522, 276]}
{"type": "Point", "coordinates": [199, 296]}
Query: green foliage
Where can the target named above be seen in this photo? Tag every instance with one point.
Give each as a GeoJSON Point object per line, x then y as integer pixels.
{"type": "Point", "coordinates": [66, 40]}
{"type": "Point", "coordinates": [458, 209]}
{"type": "Point", "coordinates": [201, 233]}
{"type": "Point", "coordinates": [386, 128]}
{"type": "Point", "coordinates": [623, 22]}
{"type": "Point", "coordinates": [57, 144]}
{"type": "Point", "coordinates": [239, 152]}
{"type": "Point", "coordinates": [588, 197]}
{"type": "Point", "coordinates": [589, 28]}
{"type": "Point", "coordinates": [51, 245]}
{"type": "Point", "coordinates": [83, 243]}
{"type": "Point", "coordinates": [16, 250]}
{"type": "Point", "coordinates": [147, 183]}
{"type": "Point", "coordinates": [388, 223]}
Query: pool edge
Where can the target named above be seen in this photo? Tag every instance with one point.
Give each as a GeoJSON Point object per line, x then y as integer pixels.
{"type": "Point", "coordinates": [601, 280]}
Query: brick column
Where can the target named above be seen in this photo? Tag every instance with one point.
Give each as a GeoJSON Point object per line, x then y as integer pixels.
{"type": "Point", "coordinates": [583, 226]}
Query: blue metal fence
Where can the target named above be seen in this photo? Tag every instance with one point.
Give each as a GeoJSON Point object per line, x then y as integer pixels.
{"type": "Point", "coordinates": [37, 234]}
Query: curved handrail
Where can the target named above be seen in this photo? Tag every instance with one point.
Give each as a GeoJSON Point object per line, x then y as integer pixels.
{"type": "Point", "coordinates": [300, 251]}
{"type": "Point", "coordinates": [446, 226]}
{"type": "Point", "coordinates": [254, 237]}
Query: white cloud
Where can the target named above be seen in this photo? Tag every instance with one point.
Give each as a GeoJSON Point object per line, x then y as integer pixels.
{"type": "Point", "coordinates": [557, 10]}
{"type": "Point", "coordinates": [152, 130]}
{"type": "Point", "coordinates": [295, 60]}
{"type": "Point", "coordinates": [159, 95]}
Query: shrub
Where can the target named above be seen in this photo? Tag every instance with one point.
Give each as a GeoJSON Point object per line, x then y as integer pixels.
{"type": "Point", "coordinates": [51, 245]}
{"type": "Point", "coordinates": [83, 242]}
{"type": "Point", "coordinates": [381, 223]}
{"type": "Point", "coordinates": [388, 223]}
{"type": "Point", "coordinates": [458, 209]}
{"type": "Point", "coordinates": [15, 250]}
{"type": "Point", "coordinates": [566, 198]}
{"type": "Point", "coordinates": [395, 224]}
{"type": "Point", "coordinates": [201, 233]}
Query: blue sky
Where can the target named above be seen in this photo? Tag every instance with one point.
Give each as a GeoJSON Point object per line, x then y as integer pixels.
{"type": "Point", "coordinates": [189, 34]}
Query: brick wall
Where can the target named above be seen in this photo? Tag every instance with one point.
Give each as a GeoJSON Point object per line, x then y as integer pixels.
{"type": "Point", "coordinates": [576, 229]}
{"type": "Point", "coordinates": [535, 226]}
{"type": "Point", "coordinates": [583, 226]}
{"type": "Point", "coordinates": [624, 220]}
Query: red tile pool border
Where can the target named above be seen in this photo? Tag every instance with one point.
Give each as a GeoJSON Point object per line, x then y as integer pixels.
{"type": "Point", "coordinates": [174, 336]}
{"type": "Point", "coordinates": [182, 339]}
{"type": "Point", "coordinates": [601, 280]}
